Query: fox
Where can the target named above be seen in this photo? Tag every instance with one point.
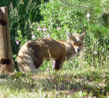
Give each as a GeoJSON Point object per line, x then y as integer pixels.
{"type": "Point", "coordinates": [32, 53]}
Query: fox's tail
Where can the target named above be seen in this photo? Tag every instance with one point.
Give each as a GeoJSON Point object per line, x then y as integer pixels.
{"type": "Point", "coordinates": [25, 61]}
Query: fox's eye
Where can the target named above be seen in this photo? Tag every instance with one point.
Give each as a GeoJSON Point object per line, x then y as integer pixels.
{"type": "Point", "coordinates": [74, 43]}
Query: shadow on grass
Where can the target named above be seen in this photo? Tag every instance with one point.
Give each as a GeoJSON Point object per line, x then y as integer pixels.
{"type": "Point", "coordinates": [91, 82]}
{"type": "Point", "coordinates": [94, 82]}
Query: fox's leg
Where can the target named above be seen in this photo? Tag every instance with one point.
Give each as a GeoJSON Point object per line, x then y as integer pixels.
{"type": "Point", "coordinates": [38, 62]}
{"type": "Point", "coordinates": [59, 63]}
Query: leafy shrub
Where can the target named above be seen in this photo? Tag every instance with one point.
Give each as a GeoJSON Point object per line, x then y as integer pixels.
{"type": "Point", "coordinates": [31, 20]}
{"type": "Point", "coordinates": [62, 16]}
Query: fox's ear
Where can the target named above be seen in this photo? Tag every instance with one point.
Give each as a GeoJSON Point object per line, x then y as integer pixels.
{"type": "Point", "coordinates": [82, 36]}
{"type": "Point", "coordinates": [71, 37]}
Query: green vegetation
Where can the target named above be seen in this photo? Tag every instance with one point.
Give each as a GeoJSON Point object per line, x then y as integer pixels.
{"type": "Point", "coordinates": [86, 75]}
{"type": "Point", "coordinates": [62, 84]}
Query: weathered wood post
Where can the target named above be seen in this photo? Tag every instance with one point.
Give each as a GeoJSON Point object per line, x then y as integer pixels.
{"type": "Point", "coordinates": [6, 61]}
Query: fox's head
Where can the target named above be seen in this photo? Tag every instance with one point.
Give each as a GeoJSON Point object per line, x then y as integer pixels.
{"type": "Point", "coordinates": [76, 40]}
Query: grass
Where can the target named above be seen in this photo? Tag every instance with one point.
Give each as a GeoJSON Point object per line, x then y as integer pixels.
{"type": "Point", "coordinates": [88, 82]}
{"type": "Point", "coordinates": [86, 76]}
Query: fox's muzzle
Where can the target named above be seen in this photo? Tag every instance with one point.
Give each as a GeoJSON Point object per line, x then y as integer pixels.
{"type": "Point", "coordinates": [77, 50]}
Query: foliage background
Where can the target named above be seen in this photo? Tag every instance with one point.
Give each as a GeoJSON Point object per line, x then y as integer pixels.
{"type": "Point", "coordinates": [85, 75]}
{"type": "Point", "coordinates": [32, 19]}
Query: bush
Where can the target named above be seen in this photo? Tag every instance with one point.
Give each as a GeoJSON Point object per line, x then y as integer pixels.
{"type": "Point", "coordinates": [32, 20]}
{"type": "Point", "coordinates": [79, 16]}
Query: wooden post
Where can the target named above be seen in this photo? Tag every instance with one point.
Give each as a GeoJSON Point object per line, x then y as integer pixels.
{"type": "Point", "coordinates": [6, 61]}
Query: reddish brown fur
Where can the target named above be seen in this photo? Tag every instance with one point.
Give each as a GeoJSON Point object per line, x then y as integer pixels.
{"type": "Point", "coordinates": [31, 55]}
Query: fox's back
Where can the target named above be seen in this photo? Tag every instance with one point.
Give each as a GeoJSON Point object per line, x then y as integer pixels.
{"type": "Point", "coordinates": [45, 47]}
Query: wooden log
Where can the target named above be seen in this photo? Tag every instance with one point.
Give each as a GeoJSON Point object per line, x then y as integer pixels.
{"type": "Point", "coordinates": [6, 61]}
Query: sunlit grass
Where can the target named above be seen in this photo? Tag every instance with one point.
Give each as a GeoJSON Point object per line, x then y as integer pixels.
{"type": "Point", "coordinates": [64, 83]}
